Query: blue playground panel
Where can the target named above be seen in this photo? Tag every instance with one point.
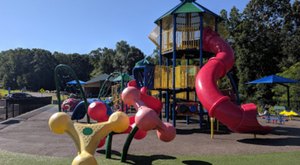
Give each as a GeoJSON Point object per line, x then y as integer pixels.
{"type": "Point", "coordinates": [144, 76]}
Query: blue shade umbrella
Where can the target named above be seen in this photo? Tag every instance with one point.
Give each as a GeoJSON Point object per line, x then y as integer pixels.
{"type": "Point", "coordinates": [73, 82]}
{"type": "Point", "coordinates": [274, 79]}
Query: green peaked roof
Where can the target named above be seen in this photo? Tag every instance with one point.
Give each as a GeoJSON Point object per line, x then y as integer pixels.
{"type": "Point", "coordinates": [187, 6]}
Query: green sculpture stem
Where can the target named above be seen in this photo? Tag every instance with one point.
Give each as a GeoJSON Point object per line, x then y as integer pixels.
{"type": "Point", "coordinates": [108, 145]}
{"type": "Point", "coordinates": [127, 144]}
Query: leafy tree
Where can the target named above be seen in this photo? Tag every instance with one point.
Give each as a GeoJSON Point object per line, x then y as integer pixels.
{"type": "Point", "coordinates": [43, 64]}
{"type": "Point", "coordinates": [134, 56]}
{"type": "Point", "coordinates": [229, 26]}
{"type": "Point", "coordinates": [102, 60]}
{"type": "Point", "coordinates": [280, 91]}
{"type": "Point", "coordinates": [154, 57]}
{"type": "Point", "coordinates": [121, 56]}
{"type": "Point", "coordinates": [95, 56]}
{"type": "Point", "coordinates": [296, 13]}
{"type": "Point", "coordinates": [257, 43]}
{"type": "Point", "coordinates": [291, 37]}
{"type": "Point", "coordinates": [15, 67]}
{"type": "Point", "coordinates": [223, 25]}
{"type": "Point", "coordinates": [120, 59]}
{"type": "Point", "coordinates": [79, 63]}
{"type": "Point", "coordinates": [32, 69]}
{"type": "Point", "coordinates": [126, 56]}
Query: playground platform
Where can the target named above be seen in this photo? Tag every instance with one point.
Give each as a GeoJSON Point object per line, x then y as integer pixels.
{"type": "Point", "coordinates": [29, 133]}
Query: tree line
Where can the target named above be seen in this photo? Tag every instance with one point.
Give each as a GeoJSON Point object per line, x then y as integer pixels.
{"type": "Point", "coordinates": [265, 37]}
{"type": "Point", "coordinates": [34, 68]}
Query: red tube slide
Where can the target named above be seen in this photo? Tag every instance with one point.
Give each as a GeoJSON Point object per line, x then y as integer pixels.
{"type": "Point", "coordinates": [241, 119]}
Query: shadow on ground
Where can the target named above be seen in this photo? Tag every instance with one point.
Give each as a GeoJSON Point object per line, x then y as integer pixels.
{"type": "Point", "coordinates": [273, 141]}
{"type": "Point", "coordinates": [195, 162]}
{"type": "Point", "coordinates": [200, 131]}
{"type": "Point", "coordinates": [289, 131]}
{"type": "Point", "coordinates": [293, 138]}
{"type": "Point", "coordinates": [139, 159]}
{"type": "Point", "coordinates": [12, 121]}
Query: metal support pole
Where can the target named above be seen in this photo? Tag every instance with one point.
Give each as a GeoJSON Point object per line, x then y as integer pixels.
{"type": "Point", "coordinates": [188, 90]}
{"type": "Point", "coordinates": [234, 86]}
{"type": "Point", "coordinates": [288, 93]}
{"type": "Point", "coordinates": [200, 65]}
{"type": "Point", "coordinates": [6, 109]}
{"type": "Point", "coordinates": [167, 99]}
{"type": "Point", "coordinates": [13, 110]}
{"type": "Point", "coordinates": [212, 127]}
{"type": "Point", "coordinates": [201, 41]}
{"type": "Point", "coordinates": [216, 24]}
{"type": "Point", "coordinates": [288, 96]}
{"type": "Point", "coordinates": [160, 43]}
{"type": "Point", "coordinates": [122, 88]}
{"type": "Point", "coordinates": [160, 58]}
{"type": "Point", "coordinates": [173, 74]}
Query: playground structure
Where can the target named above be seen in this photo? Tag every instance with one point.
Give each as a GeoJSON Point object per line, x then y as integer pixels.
{"type": "Point", "coordinates": [115, 91]}
{"type": "Point", "coordinates": [179, 37]}
{"type": "Point", "coordinates": [119, 82]}
{"type": "Point", "coordinates": [189, 32]}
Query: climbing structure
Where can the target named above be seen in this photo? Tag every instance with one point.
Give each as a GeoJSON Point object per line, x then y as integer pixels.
{"type": "Point", "coordinates": [178, 36]}
{"type": "Point", "coordinates": [189, 31]}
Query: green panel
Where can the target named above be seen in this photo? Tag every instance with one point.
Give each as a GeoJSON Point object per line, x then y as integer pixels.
{"type": "Point", "coordinates": [189, 8]}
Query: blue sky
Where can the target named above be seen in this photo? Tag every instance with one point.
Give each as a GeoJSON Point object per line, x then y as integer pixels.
{"type": "Point", "coordinates": [79, 26]}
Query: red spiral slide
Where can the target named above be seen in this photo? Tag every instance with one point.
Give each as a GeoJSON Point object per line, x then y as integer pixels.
{"type": "Point", "coordinates": [241, 119]}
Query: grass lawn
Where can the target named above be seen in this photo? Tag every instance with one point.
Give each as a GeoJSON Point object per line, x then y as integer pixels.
{"type": "Point", "coordinates": [288, 158]}
{"type": "Point", "coordinates": [4, 92]}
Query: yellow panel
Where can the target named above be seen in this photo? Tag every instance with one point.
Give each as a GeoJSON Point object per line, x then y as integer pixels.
{"type": "Point", "coordinates": [184, 76]}
{"type": "Point", "coordinates": [161, 74]}
{"type": "Point", "coordinates": [165, 77]}
{"type": "Point", "coordinates": [157, 77]}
